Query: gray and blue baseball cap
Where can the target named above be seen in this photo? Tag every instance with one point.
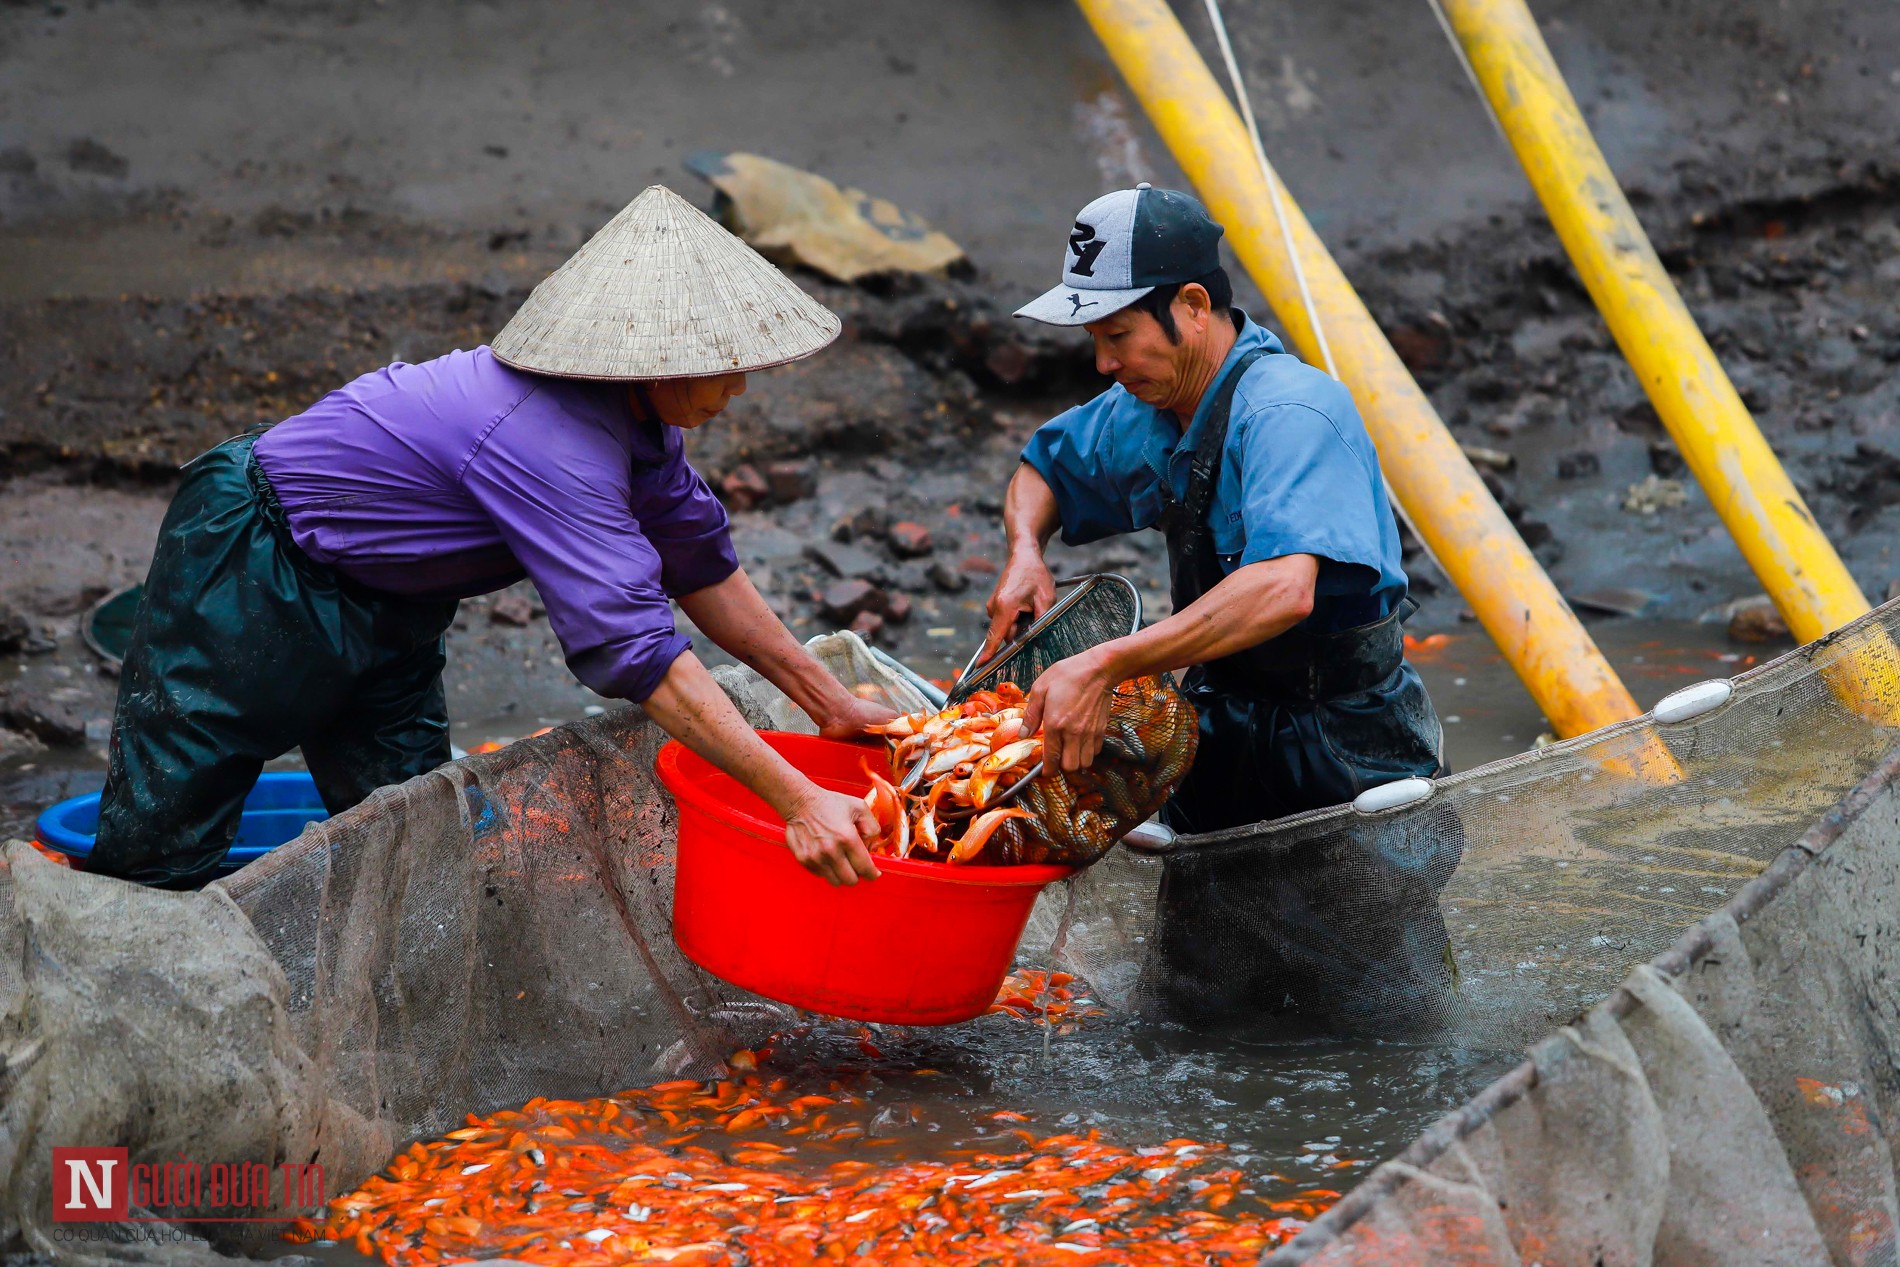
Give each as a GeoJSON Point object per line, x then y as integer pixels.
{"type": "Point", "coordinates": [1124, 245]}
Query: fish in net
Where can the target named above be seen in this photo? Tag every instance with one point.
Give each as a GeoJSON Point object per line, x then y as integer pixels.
{"type": "Point", "coordinates": [1076, 817]}
{"type": "Point", "coordinates": [1344, 937]}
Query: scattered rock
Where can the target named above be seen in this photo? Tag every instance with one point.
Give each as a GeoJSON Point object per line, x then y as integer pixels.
{"type": "Point", "coordinates": [909, 540]}
{"type": "Point", "coordinates": [867, 625]}
{"type": "Point", "coordinates": [511, 609]}
{"type": "Point", "coordinates": [1491, 459]}
{"type": "Point", "coordinates": [1529, 408]}
{"type": "Point", "coordinates": [844, 601]}
{"type": "Point", "coordinates": [1756, 620]}
{"type": "Point", "coordinates": [790, 481]}
{"type": "Point", "coordinates": [1011, 362]}
{"type": "Point", "coordinates": [1665, 460]}
{"type": "Point", "coordinates": [743, 488]}
{"type": "Point", "coordinates": [843, 559]}
{"type": "Point", "coordinates": [1421, 350]}
{"type": "Point", "coordinates": [87, 155]}
{"type": "Point", "coordinates": [1613, 601]}
{"type": "Point", "coordinates": [977, 565]}
{"type": "Point", "coordinates": [1579, 465]}
{"type": "Point", "coordinates": [897, 608]}
{"type": "Point", "coordinates": [869, 522]}
{"type": "Point", "coordinates": [34, 711]}
{"type": "Point", "coordinates": [282, 222]}
{"type": "Point", "coordinates": [1639, 418]}
{"type": "Point", "coordinates": [912, 575]}
{"type": "Point", "coordinates": [16, 631]}
{"type": "Point", "coordinates": [58, 600]}
{"type": "Point", "coordinates": [948, 579]}
{"type": "Point", "coordinates": [1654, 494]}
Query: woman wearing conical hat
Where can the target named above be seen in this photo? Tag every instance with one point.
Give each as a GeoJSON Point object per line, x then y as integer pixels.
{"type": "Point", "coordinates": [304, 578]}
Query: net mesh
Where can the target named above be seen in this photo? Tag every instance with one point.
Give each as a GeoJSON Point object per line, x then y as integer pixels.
{"type": "Point", "coordinates": [1149, 745]}
{"type": "Point", "coordinates": [1577, 860]}
{"type": "Point", "coordinates": [1098, 609]}
{"type": "Point", "coordinates": [501, 929]}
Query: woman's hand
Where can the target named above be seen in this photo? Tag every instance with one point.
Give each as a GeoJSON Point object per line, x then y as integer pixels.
{"type": "Point", "coordinates": [847, 718]}
{"type": "Point", "coordinates": [829, 833]}
{"type": "Point", "coordinates": [1069, 702]}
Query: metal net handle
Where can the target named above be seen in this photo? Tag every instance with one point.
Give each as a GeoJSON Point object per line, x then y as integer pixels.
{"type": "Point", "coordinates": [970, 680]}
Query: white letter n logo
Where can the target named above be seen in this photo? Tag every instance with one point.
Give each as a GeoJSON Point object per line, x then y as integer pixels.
{"type": "Point", "coordinates": [89, 1184]}
{"type": "Point", "coordinates": [98, 1187]}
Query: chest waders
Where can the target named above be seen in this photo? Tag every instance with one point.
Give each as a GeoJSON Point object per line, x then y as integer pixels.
{"type": "Point", "coordinates": [244, 648]}
{"type": "Point", "coordinates": [1346, 937]}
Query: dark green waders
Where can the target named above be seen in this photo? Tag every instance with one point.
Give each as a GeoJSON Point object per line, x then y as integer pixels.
{"type": "Point", "coordinates": [243, 649]}
{"type": "Point", "coordinates": [1338, 936]}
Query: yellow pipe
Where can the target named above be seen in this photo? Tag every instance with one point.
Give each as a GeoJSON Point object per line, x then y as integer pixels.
{"type": "Point", "coordinates": [1442, 497]}
{"type": "Point", "coordinates": [1691, 392]}
{"type": "Point", "coordinates": [1719, 440]}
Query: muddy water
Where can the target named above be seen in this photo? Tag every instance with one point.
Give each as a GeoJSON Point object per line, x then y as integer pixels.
{"type": "Point", "coordinates": [1487, 715]}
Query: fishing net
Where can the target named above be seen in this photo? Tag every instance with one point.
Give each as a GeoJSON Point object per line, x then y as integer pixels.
{"type": "Point", "coordinates": [1734, 1101]}
{"type": "Point", "coordinates": [1097, 609]}
{"type": "Point", "coordinates": [1149, 745]}
{"type": "Point", "coordinates": [1576, 861]}
{"type": "Point", "coordinates": [499, 929]}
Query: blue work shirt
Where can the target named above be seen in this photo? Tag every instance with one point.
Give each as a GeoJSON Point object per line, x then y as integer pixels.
{"type": "Point", "coordinates": [1298, 475]}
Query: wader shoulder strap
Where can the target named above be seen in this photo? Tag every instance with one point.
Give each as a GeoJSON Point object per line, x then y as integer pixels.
{"type": "Point", "coordinates": [1185, 521]}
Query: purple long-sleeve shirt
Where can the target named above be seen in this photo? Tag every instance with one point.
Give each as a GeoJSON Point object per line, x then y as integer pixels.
{"type": "Point", "coordinates": [460, 475]}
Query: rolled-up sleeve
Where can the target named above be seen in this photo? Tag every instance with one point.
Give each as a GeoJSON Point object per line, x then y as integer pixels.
{"type": "Point", "coordinates": [688, 528]}
{"type": "Point", "coordinates": [558, 491]}
{"type": "Point", "coordinates": [1091, 469]}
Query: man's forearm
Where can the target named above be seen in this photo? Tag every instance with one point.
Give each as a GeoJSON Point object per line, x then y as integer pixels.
{"type": "Point", "coordinates": [1030, 513]}
{"type": "Point", "coordinates": [1250, 605]}
{"type": "Point", "coordinates": [735, 616]}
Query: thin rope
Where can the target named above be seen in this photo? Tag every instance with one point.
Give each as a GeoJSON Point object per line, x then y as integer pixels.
{"type": "Point", "coordinates": [1273, 185]}
{"type": "Point", "coordinates": [1458, 50]}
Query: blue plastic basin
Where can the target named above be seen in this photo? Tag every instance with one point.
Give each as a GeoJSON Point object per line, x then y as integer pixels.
{"type": "Point", "coordinates": [275, 813]}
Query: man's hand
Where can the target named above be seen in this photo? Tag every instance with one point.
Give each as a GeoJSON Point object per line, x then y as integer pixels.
{"type": "Point", "coordinates": [850, 715]}
{"type": "Point", "coordinates": [1070, 703]}
{"type": "Point", "coordinates": [829, 833]}
{"type": "Point", "coordinates": [1025, 588]}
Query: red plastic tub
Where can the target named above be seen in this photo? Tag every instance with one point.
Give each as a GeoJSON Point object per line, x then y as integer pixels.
{"type": "Point", "coordinates": [923, 944]}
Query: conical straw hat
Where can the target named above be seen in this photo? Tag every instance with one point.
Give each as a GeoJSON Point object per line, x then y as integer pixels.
{"type": "Point", "coordinates": [663, 292]}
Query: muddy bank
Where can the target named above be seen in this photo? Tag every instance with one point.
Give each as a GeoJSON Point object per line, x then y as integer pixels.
{"type": "Point", "coordinates": [994, 119]}
{"type": "Point", "coordinates": [917, 413]}
{"type": "Point", "coordinates": [330, 202]}
{"type": "Point", "coordinates": [1796, 296]}
{"type": "Point", "coordinates": [865, 484]}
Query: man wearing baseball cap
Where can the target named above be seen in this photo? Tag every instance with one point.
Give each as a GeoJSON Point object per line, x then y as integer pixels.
{"type": "Point", "coordinates": [1283, 551]}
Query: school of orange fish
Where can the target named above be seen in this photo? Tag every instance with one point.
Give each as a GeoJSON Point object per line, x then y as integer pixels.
{"type": "Point", "coordinates": [739, 1170]}
{"type": "Point", "coordinates": [1034, 994]}
{"type": "Point", "coordinates": [970, 755]}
